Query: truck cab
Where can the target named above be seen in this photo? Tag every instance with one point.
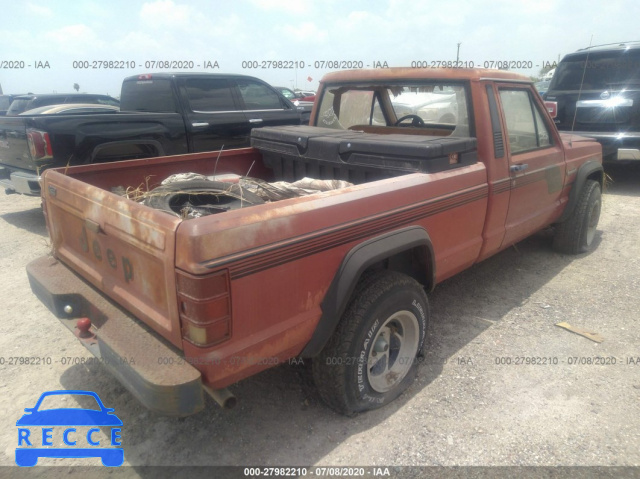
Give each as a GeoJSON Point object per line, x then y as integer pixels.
{"type": "Point", "coordinates": [530, 166]}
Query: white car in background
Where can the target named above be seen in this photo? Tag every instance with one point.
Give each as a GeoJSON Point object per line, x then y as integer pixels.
{"type": "Point", "coordinates": [71, 109]}
{"type": "Point", "coordinates": [431, 107]}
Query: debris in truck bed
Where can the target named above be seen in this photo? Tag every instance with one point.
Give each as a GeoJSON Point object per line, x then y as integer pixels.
{"type": "Point", "coordinates": [281, 190]}
{"type": "Point", "coordinates": [230, 177]}
{"type": "Point", "coordinates": [194, 198]}
{"type": "Point", "coordinates": [192, 195]}
{"type": "Point", "coordinates": [182, 177]}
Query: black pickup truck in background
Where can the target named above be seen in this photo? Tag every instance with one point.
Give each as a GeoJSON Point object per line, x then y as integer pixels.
{"type": "Point", "coordinates": [161, 114]}
{"type": "Point", "coordinates": [597, 94]}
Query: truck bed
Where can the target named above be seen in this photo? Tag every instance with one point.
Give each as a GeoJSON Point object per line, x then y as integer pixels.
{"type": "Point", "coordinates": [136, 255]}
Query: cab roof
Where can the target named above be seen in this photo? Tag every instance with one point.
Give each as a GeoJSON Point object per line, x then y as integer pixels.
{"type": "Point", "coordinates": [405, 73]}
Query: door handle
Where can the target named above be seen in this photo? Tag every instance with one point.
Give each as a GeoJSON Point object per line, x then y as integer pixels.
{"type": "Point", "coordinates": [255, 120]}
{"type": "Point", "coordinates": [516, 168]}
{"type": "Point", "coordinates": [199, 124]}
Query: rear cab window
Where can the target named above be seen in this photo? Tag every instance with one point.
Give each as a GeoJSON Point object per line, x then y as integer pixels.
{"type": "Point", "coordinates": [209, 94]}
{"type": "Point", "coordinates": [349, 107]}
{"type": "Point", "coordinates": [151, 95]}
{"type": "Point", "coordinates": [442, 106]}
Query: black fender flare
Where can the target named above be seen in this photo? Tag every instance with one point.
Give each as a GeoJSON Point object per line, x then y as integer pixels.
{"type": "Point", "coordinates": [584, 172]}
{"type": "Point", "coordinates": [355, 262]}
{"type": "Point", "coordinates": [139, 142]}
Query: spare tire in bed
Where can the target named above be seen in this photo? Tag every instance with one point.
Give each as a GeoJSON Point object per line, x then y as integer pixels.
{"type": "Point", "coordinates": [193, 198]}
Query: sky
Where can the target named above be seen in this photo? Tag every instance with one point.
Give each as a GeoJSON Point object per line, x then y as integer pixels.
{"type": "Point", "coordinates": [48, 46]}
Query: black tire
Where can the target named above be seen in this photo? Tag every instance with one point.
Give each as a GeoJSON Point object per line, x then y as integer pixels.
{"type": "Point", "coordinates": [372, 356]}
{"type": "Point", "coordinates": [576, 234]}
{"type": "Point", "coordinates": [222, 196]}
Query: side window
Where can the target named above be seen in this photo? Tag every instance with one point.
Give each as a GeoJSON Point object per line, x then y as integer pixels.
{"type": "Point", "coordinates": [288, 94]}
{"type": "Point", "coordinates": [543, 133]}
{"type": "Point", "coordinates": [148, 95]}
{"type": "Point", "coordinates": [257, 96]}
{"type": "Point", "coordinates": [526, 129]}
{"type": "Point", "coordinates": [206, 94]}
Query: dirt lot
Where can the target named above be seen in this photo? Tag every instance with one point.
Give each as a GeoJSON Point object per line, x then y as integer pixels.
{"type": "Point", "coordinates": [474, 403]}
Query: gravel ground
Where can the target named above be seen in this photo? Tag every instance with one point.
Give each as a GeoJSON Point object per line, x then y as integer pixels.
{"type": "Point", "coordinates": [474, 403]}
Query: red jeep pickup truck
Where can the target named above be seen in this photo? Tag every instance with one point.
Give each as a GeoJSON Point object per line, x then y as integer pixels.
{"type": "Point", "coordinates": [445, 168]}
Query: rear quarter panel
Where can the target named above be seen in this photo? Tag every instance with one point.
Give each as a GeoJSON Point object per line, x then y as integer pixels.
{"type": "Point", "coordinates": [282, 257]}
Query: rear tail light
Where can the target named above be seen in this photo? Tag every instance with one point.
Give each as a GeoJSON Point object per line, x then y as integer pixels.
{"type": "Point", "coordinates": [39, 144]}
{"type": "Point", "coordinates": [552, 108]}
{"type": "Point", "coordinates": [205, 307]}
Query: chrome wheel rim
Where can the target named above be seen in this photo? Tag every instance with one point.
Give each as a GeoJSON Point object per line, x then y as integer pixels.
{"type": "Point", "coordinates": [592, 225]}
{"type": "Point", "coordinates": [393, 351]}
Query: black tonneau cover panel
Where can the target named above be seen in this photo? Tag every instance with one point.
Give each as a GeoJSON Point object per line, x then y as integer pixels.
{"type": "Point", "coordinates": [294, 152]}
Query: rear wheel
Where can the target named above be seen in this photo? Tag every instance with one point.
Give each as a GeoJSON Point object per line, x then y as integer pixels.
{"type": "Point", "coordinates": [576, 234]}
{"type": "Point", "coordinates": [372, 356]}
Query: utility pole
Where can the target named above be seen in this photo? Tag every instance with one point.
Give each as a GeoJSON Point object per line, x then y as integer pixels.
{"type": "Point", "coordinates": [458, 54]}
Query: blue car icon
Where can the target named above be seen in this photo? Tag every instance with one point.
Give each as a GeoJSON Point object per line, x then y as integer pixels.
{"type": "Point", "coordinates": [28, 456]}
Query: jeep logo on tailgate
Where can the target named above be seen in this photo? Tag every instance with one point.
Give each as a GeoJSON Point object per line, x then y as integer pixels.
{"type": "Point", "coordinates": [97, 251]}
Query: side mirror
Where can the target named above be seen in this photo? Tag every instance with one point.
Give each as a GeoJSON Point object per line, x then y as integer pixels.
{"type": "Point", "coordinates": [552, 108]}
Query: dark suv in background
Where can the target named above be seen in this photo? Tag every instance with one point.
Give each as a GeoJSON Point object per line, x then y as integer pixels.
{"type": "Point", "coordinates": [24, 103]}
{"type": "Point", "coordinates": [597, 91]}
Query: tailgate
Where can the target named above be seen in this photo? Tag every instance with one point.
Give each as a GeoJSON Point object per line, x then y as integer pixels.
{"type": "Point", "coordinates": [124, 249]}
